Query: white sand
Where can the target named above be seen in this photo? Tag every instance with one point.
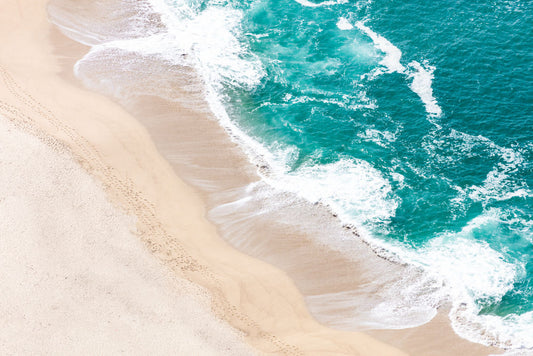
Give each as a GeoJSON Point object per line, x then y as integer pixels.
{"type": "Point", "coordinates": [75, 279]}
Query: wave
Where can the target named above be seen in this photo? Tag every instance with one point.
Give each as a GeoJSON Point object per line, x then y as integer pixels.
{"type": "Point", "coordinates": [472, 274]}
{"type": "Point", "coordinates": [486, 276]}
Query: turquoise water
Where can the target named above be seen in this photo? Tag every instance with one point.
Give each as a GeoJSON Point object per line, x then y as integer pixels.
{"type": "Point", "coordinates": [411, 120]}
{"type": "Point", "coordinates": [432, 104]}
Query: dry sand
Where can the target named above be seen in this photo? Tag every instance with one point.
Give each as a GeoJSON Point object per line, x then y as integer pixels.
{"type": "Point", "coordinates": [173, 244]}
{"type": "Point", "coordinates": [76, 279]}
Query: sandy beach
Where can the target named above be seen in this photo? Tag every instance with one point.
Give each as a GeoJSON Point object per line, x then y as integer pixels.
{"type": "Point", "coordinates": [111, 244]}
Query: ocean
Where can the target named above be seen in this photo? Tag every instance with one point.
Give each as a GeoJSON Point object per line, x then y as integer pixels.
{"type": "Point", "coordinates": [410, 121]}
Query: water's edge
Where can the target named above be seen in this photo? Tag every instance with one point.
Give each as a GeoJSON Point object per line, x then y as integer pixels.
{"type": "Point", "coordinates": [346, 285]}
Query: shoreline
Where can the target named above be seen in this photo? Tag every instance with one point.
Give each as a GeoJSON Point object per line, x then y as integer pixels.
{"type": "Point", "coordinates": [272, 225]}
{"type": "Point", "coordinates": [186, 256]}
{"type": "Point", "coordinates": [114, 149]}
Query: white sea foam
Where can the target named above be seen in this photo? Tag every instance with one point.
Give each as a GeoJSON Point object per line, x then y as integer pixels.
{"type": "Point", "coordinates": [308, 3]}
{"type": "Point", "coordinates": [343, 24]}
{"type": "Point", "coordinates": [512, 331]}
{"type": "Point", "coordinates": [203, 39]}
{"type": "Point", "coordinates": [469, 272]}
{"type": "Point", "coordinates": [421, 75]}
{"type": "Point", "coordinates": [473, 272]}
{"type": "Point", "coordinates": [392, 57]}
{"type": "Point", "coordinates": [483, 273]}
{"type": "Point", "coordinates": [365, 196]}
{"type": "Point", "coordinates": [341, 102]}
{"type": "Point", "coordinates": [470, 269]}
{"type": "Point", "coordinates": [381, 138]}
{"type": "Point", "coordinates": [501, 183]}
{"type": "Point", "coordinates": [465, 265]}
{"type": "Point", "coordinates": [422, 80]}
{"type": "Point", "coordinates": [498, 186]}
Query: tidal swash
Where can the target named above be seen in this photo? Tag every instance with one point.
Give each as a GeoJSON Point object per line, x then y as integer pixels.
{"type": "Point", "coordinates": [412, 120]}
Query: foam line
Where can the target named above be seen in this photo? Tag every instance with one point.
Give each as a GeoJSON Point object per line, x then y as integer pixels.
{"type": "Point", "coordinates": [422, 81]}
{"type": "Point", "coordinates": [393, 55]}
{"type": "Point", "coordinates": [343, 24]}
{"type": "Point", "coordinates": [421, 76]}
{"type": "Point", "coordinates": [308, 3]}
